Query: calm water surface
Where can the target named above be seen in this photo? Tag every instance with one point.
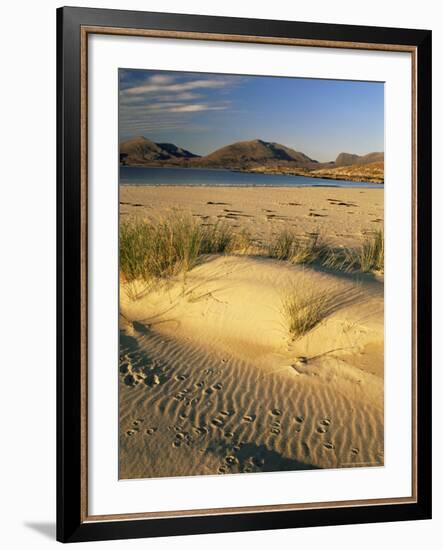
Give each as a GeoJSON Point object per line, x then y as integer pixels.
{"type": "Point", "coordinates": [203, 177]}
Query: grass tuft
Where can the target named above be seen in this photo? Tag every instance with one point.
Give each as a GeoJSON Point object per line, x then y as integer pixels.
{"type": "Point", "coordinates": [288, 246]}
{"type": "Point", "coordinates": [369, 257]}
{"type": "Point", "coordinates": [304, 309]}
{"type": "Point", "coordinates": [160, 250]}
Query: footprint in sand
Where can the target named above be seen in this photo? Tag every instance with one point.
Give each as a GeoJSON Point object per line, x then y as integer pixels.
{"type": "Point", "coordinates": [355, 450]}
{"type": "Point", "coordinates": [276, 412]}
{"type": "Point", "coordinates": [130, 432]}
{"type": "Point", "coordinates": [324, 425]}
{"type": "Point", "coordinates": [129, 380]}
{"type": "Point", "coordinates": [201, 430]}
{"type": "Point", "coordinates": [217, 386]}
{"type": "Point", "coordinates": [329, 446]}
{"type": "Point", "coordinates": [217, 422]}
{"type": "Point", "coordinates": [151, 431]}
{"type": "Point", "coordinates": [249, 417]}
{"type": "Point", "coordinates": [229, 435]}
{"type": "Point", "coordinates": [231, 460]}
{"type": "Point", "coordinates": [181, 376]}
{"type": "Point", "coordinates": [223, 470]}
{"type": "Point", "coordinates": [227, 413]}
{"type": "Point", "coordinates": [299, 419]}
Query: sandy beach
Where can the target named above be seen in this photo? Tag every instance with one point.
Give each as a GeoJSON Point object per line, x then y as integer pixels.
{"type": "Point", "coordinates": [211, 380]}
{"type": "Point", "coordinates": [342, 215]}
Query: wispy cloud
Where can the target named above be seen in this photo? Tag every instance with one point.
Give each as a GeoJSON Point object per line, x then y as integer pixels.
{"type": "Point", "coordinates": [162, 101]}
{"type": "Point", "coordinates": [168, 86]}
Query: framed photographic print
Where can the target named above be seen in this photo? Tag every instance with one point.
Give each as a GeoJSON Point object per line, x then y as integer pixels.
{"type": "Point", "coordinates": [234, 352]}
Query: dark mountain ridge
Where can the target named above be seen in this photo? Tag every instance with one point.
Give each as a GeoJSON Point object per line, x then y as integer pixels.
{"type": "Point", "coordinates": [255, 155]}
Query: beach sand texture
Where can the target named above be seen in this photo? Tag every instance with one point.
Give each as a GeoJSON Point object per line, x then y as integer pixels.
{"type": "Point", "coordinates": [222, 387]}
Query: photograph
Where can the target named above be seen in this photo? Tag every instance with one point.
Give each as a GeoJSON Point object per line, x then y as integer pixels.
{"type": "Point", "coordinates": [251, 273]}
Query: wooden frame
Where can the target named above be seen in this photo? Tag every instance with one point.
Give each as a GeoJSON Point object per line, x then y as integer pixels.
{"type": "Point", "coordinates": [73, 26]}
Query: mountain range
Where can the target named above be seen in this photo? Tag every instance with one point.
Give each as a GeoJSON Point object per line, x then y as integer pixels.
{"type": "Point", "coordinates": [254, 155]}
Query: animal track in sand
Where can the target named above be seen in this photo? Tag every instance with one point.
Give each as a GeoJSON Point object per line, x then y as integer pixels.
{"type": "Point", "coordinates": [151, 431]}
{"type": "Point", "coordinates": [217, 422]}
{"type": "Point", "coordinates": [324, 424]}
{"type": "Point", "coordinates": [355, 450]}
{"type": "Point", "coordinates": [329, 446]}
{"type": "Point", "coordinates": [249, 417]}
{"type": "Point", "coordinates": [201, 430]}
{"type": "Point", "coordinates": [276, 412]}
{"type": "Point", "coordinates": [306, 449]}
{"type": "Point", "coordinates": [299, 419]}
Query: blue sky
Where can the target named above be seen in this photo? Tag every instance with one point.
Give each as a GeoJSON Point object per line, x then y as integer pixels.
{"type": "Point", "coordinates": [202, 112]}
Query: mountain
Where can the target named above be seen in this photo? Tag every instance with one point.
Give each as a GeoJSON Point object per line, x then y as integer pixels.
{"type": "Point", "coordinates": [254, 156]}
{"type": "Point", "coordinates": [369, 172]}
{"type": "Point", "coordinates": [247, 154]}
{"type": "Point", "coordinates": [176, 152]}
{"type": "Point", "coordinates": [348, 159]}
{"type": "Point", "coordinates": [144, 151]}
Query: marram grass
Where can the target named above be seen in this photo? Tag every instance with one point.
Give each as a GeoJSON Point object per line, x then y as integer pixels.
{"type": "Point", "coordinates": [296, 250]}
{"type": "Point", "coordinates": [304, 308]}
{"type": "Point", "coordinates": [170, 246]}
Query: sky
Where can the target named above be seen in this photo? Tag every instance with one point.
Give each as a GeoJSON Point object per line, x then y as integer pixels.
{"type": "Point", "coordinates": [202, 112]}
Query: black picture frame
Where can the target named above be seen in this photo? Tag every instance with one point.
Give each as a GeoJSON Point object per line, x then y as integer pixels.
{"type": "Point", "coordinates": [72, 526]}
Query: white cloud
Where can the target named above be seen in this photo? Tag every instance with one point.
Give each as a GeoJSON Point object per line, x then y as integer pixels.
{"type": "Point", "coordinates": [177, 87]}
{"type": "Point", "coordinates": [195, 108]}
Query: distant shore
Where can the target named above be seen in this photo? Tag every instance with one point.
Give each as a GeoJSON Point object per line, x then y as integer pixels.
{"type": "Point", "coordinates": [357, 173]}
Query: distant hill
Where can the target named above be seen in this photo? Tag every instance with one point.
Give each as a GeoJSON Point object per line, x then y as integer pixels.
{"type": "Point", "coordinates": [370, 172]}
{"type": "Point", "coordinates": [348, 159]}
{"type": "Point", "coordinates": [254, 156]}
{"type": "Point", "coordinates": [144, 151]}
{"type": "Point", "coordinates": [244, 154]}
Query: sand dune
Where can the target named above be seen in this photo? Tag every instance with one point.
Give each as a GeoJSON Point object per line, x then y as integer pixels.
{"type": "Point", "coordinates": [212, 382]}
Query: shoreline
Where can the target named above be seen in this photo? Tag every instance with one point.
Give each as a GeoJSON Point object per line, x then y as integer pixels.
{"type": "Point", "coordinates": [270, 172]}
